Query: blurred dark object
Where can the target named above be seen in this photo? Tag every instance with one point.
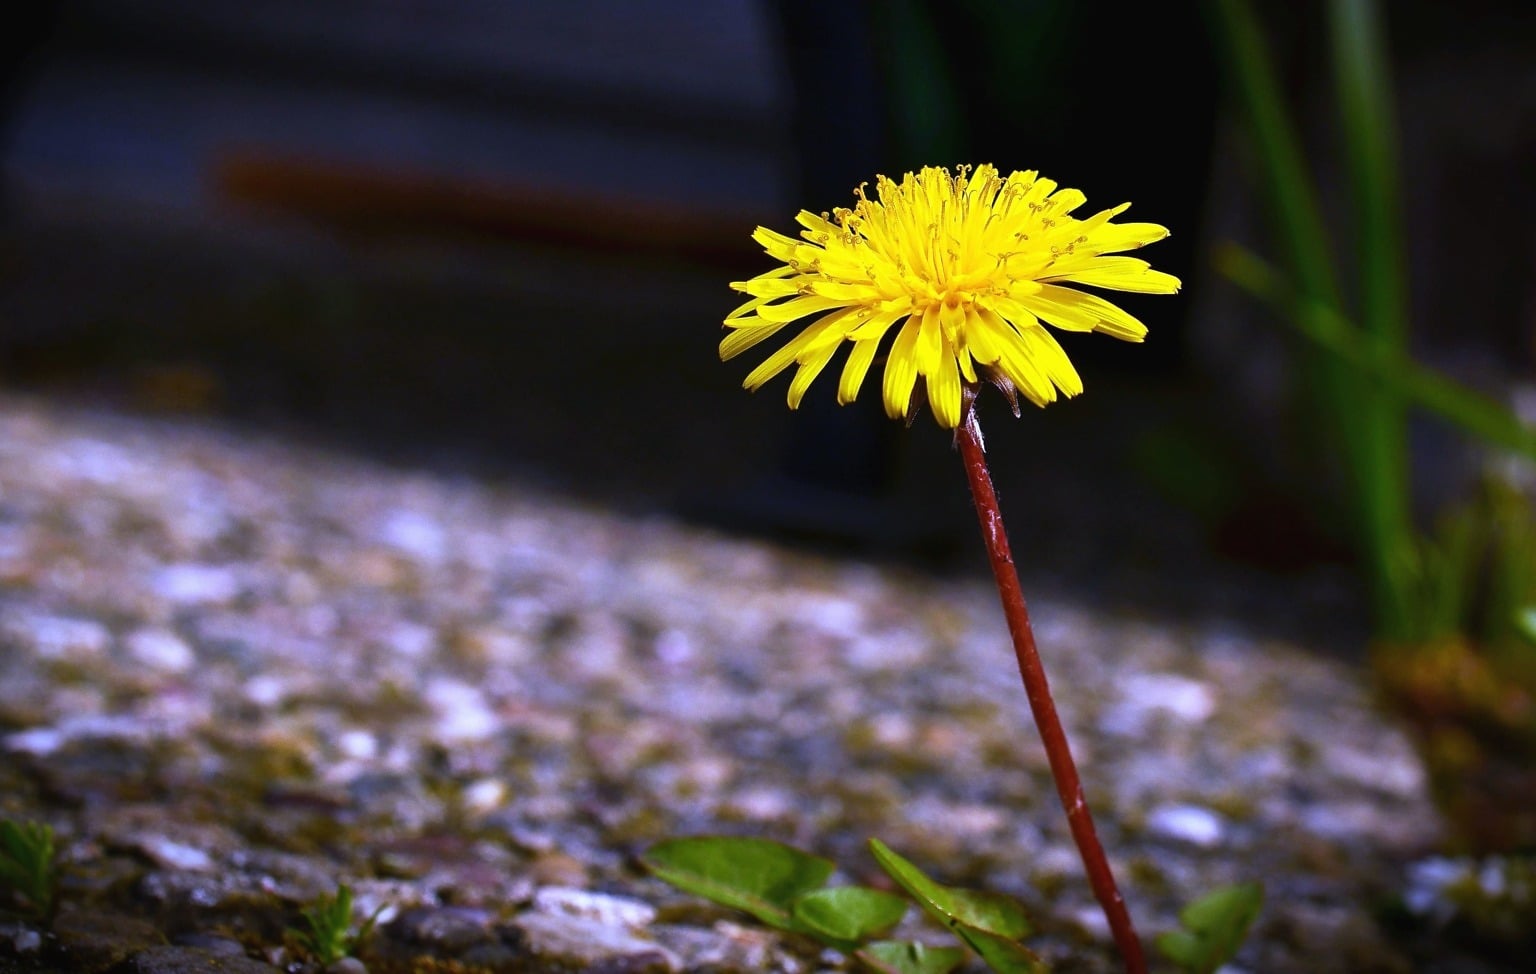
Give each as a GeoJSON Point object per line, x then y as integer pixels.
{"type": "Point", "coordinates": [837, 467]}
{"type": "Point", "coordinates": [374, 200]}
{"type": "Point", "coordinates": [27, 31]}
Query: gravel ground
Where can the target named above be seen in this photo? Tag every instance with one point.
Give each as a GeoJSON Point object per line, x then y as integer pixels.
{"type": "Point", "coordinates": [236, 672]}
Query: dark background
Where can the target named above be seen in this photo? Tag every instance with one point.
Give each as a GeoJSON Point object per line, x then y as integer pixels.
{"type": "Point", "coordinates": [494, 238]}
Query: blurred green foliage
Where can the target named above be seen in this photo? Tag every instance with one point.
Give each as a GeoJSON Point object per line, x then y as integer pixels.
{"type": "Point", "coordinates": [1360, 376]}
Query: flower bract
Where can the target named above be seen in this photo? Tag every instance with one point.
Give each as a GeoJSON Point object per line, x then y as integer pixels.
{"type": "Point", "coordinates": [953, 275]}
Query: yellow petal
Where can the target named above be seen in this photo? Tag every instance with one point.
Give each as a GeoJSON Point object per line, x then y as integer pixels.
{"type": "Point", "coordinates": [1069, 311]}
{"type": "Point", "coordinates": [769, 287]}
{"type": "Point", "coordinates": [776, 245]}
{"type": "Point", "coordinates": [952, 317]}
{"type": "Point", "coordinates": [810, 367]}
{"type": "Point", "coordinates": [1108, 318]}
{"type": "Point", "coordinates": [817, 224]}
{"type": "Point", "coordinates": [1027, 377]}
{"type": "Point", "coordinates": [1047, 353]}
{"type": "Point", "coordinates": [930, 342]}
{"type": "Point", "coordinates": [854, 370]}
{"type": "Point", "coordinates": [967, 368]}
{"type": "Point", "coordinates": [1064, 201]}
{"type": "Point", "coordinates": [1093, 223]}
{"type": "Point", "coordinates": [742, 339]}
{"type": "Point", "coordinates": [786, 356]}
{"type": "Point", "coordinates": [983, 334]}
{"type": "Point", "coordinates": [1124, 236]}
{"type": "Point", "coordinates": [834, 328]}
{"type": "Point", "coordinates": [901, 370]}
{"type": "Point", "coordinates": [944, 391]}
{"type": "Point", "coordinates": [797, 308]}
{"type": "Point", "coordinates": [1117, 273]}
{"type": "Point", "coordinates": [1017, 364]}
{"type": "Point", "coordinates": [875, 325]}
{"type": "Point", "coordinates": [843, 291]}
{"type": "Point", "coordinates": [1016, 311]}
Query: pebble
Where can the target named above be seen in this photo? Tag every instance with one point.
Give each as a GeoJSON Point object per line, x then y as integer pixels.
{"type": "Point", "coordinates": [21, 940]}
{"type": "Point", "coordinates": [1187, 823]}
{"type": "Point", "coordinates": [170, 854]}
{"type": "Point", "coordinates": [60, 637]}
{"type": "Point", "coordinates": [195, 584]}
{"type": "Point", "coordinates": [1145, 695]}
{"type": "Point", "coordinates": [160, 650]}
{"type": "Point", "coordinates": [447, 930]}
{"type": "Point", "coordinates": [613, 911]}
{"type": "Point", "coordinates": [462, 712]}
{"type": "Point", "coordinates": [583, 942]}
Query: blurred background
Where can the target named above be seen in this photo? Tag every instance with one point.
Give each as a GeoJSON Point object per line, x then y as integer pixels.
{"type": "Point", "coordinates": [495, 238]}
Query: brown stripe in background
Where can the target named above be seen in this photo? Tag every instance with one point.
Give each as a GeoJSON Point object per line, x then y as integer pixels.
{"type": "Point", "coordinates": [357, 197]}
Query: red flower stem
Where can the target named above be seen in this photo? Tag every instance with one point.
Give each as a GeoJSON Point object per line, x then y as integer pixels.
{"type": "Point", "coordinates": [1063, 770]}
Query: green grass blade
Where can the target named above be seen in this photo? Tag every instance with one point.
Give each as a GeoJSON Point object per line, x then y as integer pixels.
{"type": "Point", "coordinates": [1365, 103]}
{"type": "Point", "coordinates": [1473, 412]}
{"type": "Point", "coordinates": [1298, 219]}
{"type": "Point", "coordinates": [1370, 450]}
{"type": "Point", "coordinates": [1366, 107]}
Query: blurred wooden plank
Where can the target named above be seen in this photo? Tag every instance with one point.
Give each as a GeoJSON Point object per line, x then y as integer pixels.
{"type": "Point", "coordinates": [355, 197]}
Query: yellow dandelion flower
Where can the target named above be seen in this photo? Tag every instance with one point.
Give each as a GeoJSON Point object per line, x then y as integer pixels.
{"type": "Point", "coordinates": [966, 268]}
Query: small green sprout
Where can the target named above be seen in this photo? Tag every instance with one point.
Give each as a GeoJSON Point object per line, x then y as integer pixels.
{"type": "Point", "coordinates": [28, 864]}
{"type": "Point", "coordinates": [330, 936]}
{"type": "Point", "coordinates": [1214, 927]}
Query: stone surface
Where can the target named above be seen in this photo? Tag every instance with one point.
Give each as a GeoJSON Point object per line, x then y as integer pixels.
{"type": "Point", "coordinates": [191, 960]}
{"type": "Point", "coordinates": [88, 941]}
{"type": "Point", "coordinates": [237, 672]}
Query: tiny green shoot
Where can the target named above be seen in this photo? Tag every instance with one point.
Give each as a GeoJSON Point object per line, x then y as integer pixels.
{"type": "Point", "coordinates": [28, 864]}
{"type": "Point", "coordinates": [330, 935]}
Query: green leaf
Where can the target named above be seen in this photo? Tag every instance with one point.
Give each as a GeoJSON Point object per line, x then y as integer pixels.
{"type": "Point", "coordinates": [848, 914]}
{"type": "Point", "coordinates": [989, 923]}
{"type": "Point", "coordinates": [992, 912]}
{"type": "Point", "coordinates": [1214, 928]}
{"type": "Point", "coordinates": [758, 876]}
{"type": "Point", "coordinates": [904, 957]}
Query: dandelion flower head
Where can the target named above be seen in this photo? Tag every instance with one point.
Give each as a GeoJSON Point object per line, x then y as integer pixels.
{"type": "Point", "coordinates": [966, 268]}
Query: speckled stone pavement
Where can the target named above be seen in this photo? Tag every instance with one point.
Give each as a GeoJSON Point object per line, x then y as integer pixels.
{"type": "Point", "coordinates": [235, 672]}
